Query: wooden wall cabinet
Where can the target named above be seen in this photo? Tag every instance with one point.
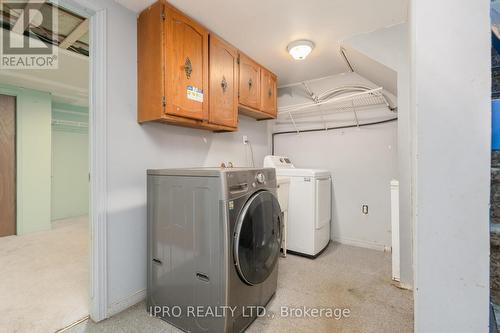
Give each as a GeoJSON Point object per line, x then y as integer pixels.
{"type": "Point", "coordinates": [249, 84]}
{"type": "Point", "coordinates": [190, 77]}
{"type": "Point", "coordinates": [223, 83]}
{"type": "Point", "coordinates": [186, 66]}
{"type": "Point", "coordinates": [257, 95]}
{"type": "Point", "coordinates": [173, 70]}
{"type": "Point", "coordinates": [268, 93]}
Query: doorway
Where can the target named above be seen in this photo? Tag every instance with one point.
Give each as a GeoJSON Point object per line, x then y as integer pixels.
{"type": "Point", "coordinates": [44, 162]}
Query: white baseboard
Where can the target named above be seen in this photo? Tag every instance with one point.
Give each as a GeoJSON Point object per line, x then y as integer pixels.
{"type": "Point", "coordinates": [126, 303]}
{"type": "Point", "coordinates": [362, 243]}
{"type": "Point", "coordinates": [405, 286]}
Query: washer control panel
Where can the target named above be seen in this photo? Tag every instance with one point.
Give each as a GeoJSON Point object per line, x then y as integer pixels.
{"type": "Point", "coordinates": [247, 180]}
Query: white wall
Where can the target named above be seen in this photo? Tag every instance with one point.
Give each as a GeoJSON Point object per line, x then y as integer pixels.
{"type": "Point", "coordinates": [386, 45]}
{"type": "Point", "coordinates": [133, 148]}
{"type": "Point", "coordinates": [377, 52]}
{"type": "Point", "coordinates": [450, 103]}
{"type": "Point", "coordinates": [362, 162]}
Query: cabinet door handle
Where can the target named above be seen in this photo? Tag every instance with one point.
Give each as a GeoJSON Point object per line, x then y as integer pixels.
{"type": "Point", "coordinates": [188, 67]}
{"type": "Point", "coordinates": [270, 93]}
{"type": "Point", "coordinates": [250, 83]}
{"type": "Point", "coordinates": [223, 84]}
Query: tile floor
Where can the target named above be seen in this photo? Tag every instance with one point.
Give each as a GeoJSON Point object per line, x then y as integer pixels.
{"type": "Point", "coordinates": [343, 277]}
{"type": "Point", "coordinates": [44, 278]}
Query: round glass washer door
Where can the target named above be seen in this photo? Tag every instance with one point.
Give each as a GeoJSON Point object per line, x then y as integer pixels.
{"type": "Point", "coordinates": [257, 240]}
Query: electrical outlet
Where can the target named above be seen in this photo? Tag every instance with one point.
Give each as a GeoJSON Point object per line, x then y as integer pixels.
{"type": "Point", "coordinates": [245, 139]}
{"type": "Point", "coordinates": [364, 209]}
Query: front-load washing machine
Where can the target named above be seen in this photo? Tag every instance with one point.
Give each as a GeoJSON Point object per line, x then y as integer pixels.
{"type": "Point", "coordinates": [309, 206]}
{"type": "Point", "coordinates": [214, 238]}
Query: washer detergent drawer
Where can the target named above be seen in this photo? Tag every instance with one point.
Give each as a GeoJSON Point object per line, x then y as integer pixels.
{"type": "Point", "coordinates": [323, 202]}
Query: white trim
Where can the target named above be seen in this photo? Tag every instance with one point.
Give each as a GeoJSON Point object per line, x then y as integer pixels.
{"type": "Point", "coordinates": [363, 244]}
{"type": "Point", "coordinates": [403, 285]}
{"type": "Point", "coordinates": [83, 8]}
{"type": "Point", "coordinates": [98, 167]}
{"type": "Point", "coordinates": [98, 152]}
{"type": "Point", "coordinates": [127, 302]}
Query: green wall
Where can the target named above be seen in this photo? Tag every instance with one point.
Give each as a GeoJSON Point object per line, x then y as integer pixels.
{"type": "Point", "coordinates": [52, 160]}
{"type": "Point", "coordinates": [33, 139]}
{"type": "Point", "coordinates": [70, 165]}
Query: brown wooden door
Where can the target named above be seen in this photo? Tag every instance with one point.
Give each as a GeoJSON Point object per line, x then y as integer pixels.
{"type": "Point", "coordinates": [268, 92]}
{"type": "Point", "coordinates": [223, 83]}
{"type": "Point", "coordinates": [7, 165]}
{"type": "Point", "coordinates": [186, 73]}
{"type": "Point", "coordinates": [249, 80]}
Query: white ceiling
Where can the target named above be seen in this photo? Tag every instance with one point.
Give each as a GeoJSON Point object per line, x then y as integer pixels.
{"type": "Point", "coordinates": [262, 29]}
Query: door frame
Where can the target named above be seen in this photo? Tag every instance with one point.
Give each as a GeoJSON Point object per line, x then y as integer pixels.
{"type": "Point", "coordinates": [98, 167]}
{"type": "Point", "coordinates": [97, 13]}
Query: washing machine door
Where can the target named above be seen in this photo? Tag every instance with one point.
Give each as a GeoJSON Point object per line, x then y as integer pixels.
{"type": "Point", "coordinates": [257, 240]}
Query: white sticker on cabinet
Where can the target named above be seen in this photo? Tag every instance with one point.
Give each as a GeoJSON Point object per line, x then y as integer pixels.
{"type": "Point", "coordinates": [194, 94]}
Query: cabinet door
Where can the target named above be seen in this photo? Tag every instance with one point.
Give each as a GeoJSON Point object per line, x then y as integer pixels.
{"type": "Point", "coordinates": [249, 86]}
{"type": "Point", "coordinates": [223, 80]}
{"type": "Point", "coordinates": [186, 70]}
{"type": "Point", "coordinates": [268, 92]}
{"type": "Point", "coordinates": [150, 63]}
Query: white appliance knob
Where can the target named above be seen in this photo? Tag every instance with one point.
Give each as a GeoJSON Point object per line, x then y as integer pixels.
{"type": "Point", "coordinates": [260, 178]}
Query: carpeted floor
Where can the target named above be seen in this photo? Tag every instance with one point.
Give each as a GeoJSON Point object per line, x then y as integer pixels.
{"type": "Point", "coordinates": [343, 277]}
{"type": "Point", "coordinates": [44, 278]}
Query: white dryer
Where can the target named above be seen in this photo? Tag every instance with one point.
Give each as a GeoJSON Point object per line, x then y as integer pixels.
{"type": "Point", "coordinates": [309, 207]}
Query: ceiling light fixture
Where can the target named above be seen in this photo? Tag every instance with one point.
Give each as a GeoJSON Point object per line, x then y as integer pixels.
{"type": "Point", "coordinates": [300, 49]}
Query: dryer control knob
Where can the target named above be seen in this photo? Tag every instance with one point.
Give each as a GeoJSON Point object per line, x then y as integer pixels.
{"type": "Point", "coordinates": [261, 179]}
